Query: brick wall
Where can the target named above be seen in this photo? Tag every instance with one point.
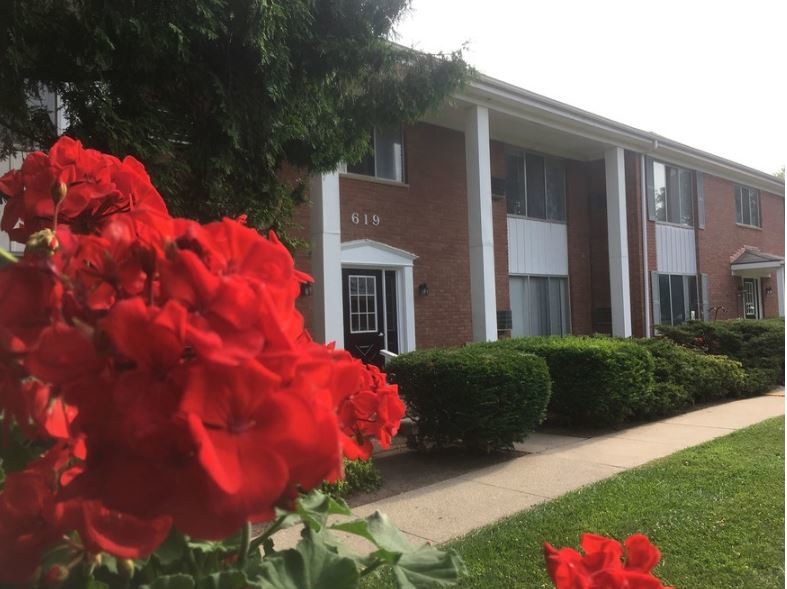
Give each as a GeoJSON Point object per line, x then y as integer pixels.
{"type": "Point", "coordinates": [427, 217]}
{"type": "Point", "coordinates": [722, 238]}
{"type": "Point", "coordinates": [635, 245]}
{"type": "Point", "coordinates": [578, 224]}
{"type": "Point", "coordinates": [599, 248]}
{"type": "Point", "coordinates": [500, 228]}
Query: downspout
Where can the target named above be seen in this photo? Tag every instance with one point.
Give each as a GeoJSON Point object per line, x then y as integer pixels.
{"type": "Point", "coordinates": [646, 273]}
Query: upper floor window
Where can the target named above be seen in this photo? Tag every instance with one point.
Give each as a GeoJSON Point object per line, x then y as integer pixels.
{"type": "Point", "coordinates": [673, 195]}
{"type": "Point", "coordinates": [386, 159]}
{"type": "Point", "coordinates": [535, 186]}
{"type": "Point", "coordinates": [747, 206]}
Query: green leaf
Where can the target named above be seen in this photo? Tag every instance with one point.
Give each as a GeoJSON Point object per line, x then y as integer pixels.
{"type": "Point", "coordinates": [379, 530]}
{"type": "Point", "coordinates": [171, 582]}
{"type": "Point", "coordinates": [109, 563]}
{"type": "Point", "coordinates": [224, 580]}
{"type": "Point", "coordinates": [413, 566]}
{"type": "Point", "coordinates": [96, 584]}
{"type": "Point", "coordinates": [315, 507]}
{"type": "Point", "coordinates": [311, 565]}
{"type": "Point", "coordinates": [172, 549]}
{"type": "Point", "coordinates": [428, 567]}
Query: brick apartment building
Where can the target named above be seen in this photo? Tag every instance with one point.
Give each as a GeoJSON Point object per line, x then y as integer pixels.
{"type": "Point", "coordinates": [508, 213]}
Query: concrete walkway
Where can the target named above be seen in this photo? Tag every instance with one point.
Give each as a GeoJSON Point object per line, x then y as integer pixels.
{"type": "Point", "coordinates": [556, 465]}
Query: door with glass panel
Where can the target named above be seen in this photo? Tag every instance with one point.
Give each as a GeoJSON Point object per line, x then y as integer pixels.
{"type": "Point", "coordinates": [370, 313]}
{"type": "Point", "coordinates": [751, 298]}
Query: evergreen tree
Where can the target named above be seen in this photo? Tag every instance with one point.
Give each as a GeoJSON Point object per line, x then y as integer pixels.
{"type": "Point", "coordinates": [216, 97]}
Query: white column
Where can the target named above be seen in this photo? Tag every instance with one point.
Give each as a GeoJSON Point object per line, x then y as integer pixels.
{"type": "Point", "coordinates": [326, 243]}
{"type": "Point", "coordinates": [617, 235]}
{"type": "Point", "coordinates": [780, 290]}
{"type": "Point", "coordinates": [407, 310]}
{"type": "Point", "coordinates": [479, 217]}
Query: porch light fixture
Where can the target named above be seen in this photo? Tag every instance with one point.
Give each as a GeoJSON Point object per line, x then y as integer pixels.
{"type": "Point", "coordinates": [306, 289]}
{"type": "Point", "coordinates": [769, 290]}
{"type": "Point", "coordinates": [423, 289]}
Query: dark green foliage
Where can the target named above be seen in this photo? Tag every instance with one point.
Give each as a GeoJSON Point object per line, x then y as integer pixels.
{"type": "Point", "coordinates": [216, 97]}
{"type": "Point", "coordinates": [757, 345]}
{"type": "Point", "coordinates": [702, 377]}
{"type": "Point", "coordinates": [595, 381]}
{"type": "Point", "coordinates": [483, 398]}
{"type": "Point", "coordinates": [360, 476]}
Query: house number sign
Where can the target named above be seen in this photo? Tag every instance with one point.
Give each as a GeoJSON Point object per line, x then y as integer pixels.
{"type": "Point", "coordinates": [365, 219]}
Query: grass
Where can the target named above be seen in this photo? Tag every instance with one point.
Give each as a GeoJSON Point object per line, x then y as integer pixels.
{"type": "Point", "coordinates": [716, 511]}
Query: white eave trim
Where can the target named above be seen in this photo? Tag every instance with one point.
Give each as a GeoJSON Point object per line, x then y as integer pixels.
{"type": "Point", "coordinates": [503, 97]}
{"type": "Point", "coordinates": [371, 252]}
{"type": "Point", "coordinates": [774, 265]}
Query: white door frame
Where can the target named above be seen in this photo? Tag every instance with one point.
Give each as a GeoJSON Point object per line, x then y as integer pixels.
{"type": "Point", "coordinates": [370, 254]}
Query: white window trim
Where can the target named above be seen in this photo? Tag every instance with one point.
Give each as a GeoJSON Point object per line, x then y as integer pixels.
{"type": "Point", "coordinates": [367, 279]}
{"type": "Point", "coordinates": [749, 190]}
{"type": "Point", "coordinates": [692, 196]}
{"type": "Point", "coordinates": [370, 254]}
{"type": "Point", "coordinates": [510, 150]}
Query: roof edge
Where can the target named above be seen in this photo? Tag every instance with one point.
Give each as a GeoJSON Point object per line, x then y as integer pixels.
{"type": "Point", "coordinates": [489, 89]}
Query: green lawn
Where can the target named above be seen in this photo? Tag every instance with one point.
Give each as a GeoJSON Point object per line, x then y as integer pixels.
{"type": "Point", "coordinates": [716, 512]}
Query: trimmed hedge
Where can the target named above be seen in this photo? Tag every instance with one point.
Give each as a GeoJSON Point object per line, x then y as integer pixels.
{"type": "Point", "coordinates": [596, 381]}
{"type": "Point", "coordinates": [484, 399]}
{"type": "Point", "coordinates": [684, 377]}
{"type": "Point", "coordinates": [757, 345]}
{"type": "Point", "coordinates": [360, 476]}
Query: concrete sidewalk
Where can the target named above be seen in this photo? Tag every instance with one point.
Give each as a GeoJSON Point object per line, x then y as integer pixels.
{"type": "Point", "coordinates": [557, 464]}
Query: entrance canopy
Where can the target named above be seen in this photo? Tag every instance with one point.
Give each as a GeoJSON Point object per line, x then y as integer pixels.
{"type": "Point", "coordinates": [753, 263]}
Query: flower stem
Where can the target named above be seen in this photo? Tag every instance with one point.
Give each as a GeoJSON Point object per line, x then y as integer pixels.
{"type": "Point", "coordinates": [6, 258]}
{"type": "Point", "coordinates": [243, 551]}
{"type": "Point", "coordinates": [274, 527]}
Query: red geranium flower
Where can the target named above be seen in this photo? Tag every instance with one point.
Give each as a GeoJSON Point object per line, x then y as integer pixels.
{"type": "Point", "coordinates": [601, 566]}
{"type": "Point", "coordinates": [167, 363]}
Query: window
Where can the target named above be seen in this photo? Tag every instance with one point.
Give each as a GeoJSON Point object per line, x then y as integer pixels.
{"type": "Point", "coordinates": [539, 305]}
{"type": "Point", "coordinates": [677, 299]}
{"type": "Point", "coordinates": [387, 157]}
{"type": "Point", "coordinates": [363, 304]}
{"type": "Point", "coordinates": [535, 186]}
{"type": "Point", "coordinates": [673, 195]}
{"type": "Point", "coordinates": [747, 206]}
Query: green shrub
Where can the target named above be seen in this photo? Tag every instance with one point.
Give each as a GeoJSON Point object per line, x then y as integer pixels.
{"type": "Point", "coordinates": [702, 377]}
{"type": "Point", "coordinates": [666, 398]}
{"type": "Point", "coordinates": [757, 345]}
{"type": "Point", "coordinates": [482, 398]}
{"type": "Point", "coordinates": [596, 381]}
{"type": "Point", "coordinates": [360, 476]}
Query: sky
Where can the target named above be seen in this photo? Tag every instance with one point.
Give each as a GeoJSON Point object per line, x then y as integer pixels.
{"type": "Point", "coordinates": [707, 74]}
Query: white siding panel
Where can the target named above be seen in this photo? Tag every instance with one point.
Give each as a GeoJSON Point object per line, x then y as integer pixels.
{"type": "Point", "coordinates": [10, 163]}
{"type": "Point", "coordinates": [675, 250]}
{"type": "Point", "coordinates": [537, 247]}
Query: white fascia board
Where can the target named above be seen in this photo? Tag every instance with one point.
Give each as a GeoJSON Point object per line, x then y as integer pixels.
{"type": "Point", "coordinates": [506, 98]}
{"type": "Point", "coordinates": [368, 252]}
{"type": "Point", "coordinates": [775, 265]}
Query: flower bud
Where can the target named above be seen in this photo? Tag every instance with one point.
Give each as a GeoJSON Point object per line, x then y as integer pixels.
{"type": "Point", "coordinates": [58, 191]}
{"type": "Point", "coordinates": [126, 567]}
{"type": "Point", "coordinates": [56, 574]}
{"type": "Point", "coordinates": [44, 241]}
{"type": "Point", "coordinates": [94, 560]}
